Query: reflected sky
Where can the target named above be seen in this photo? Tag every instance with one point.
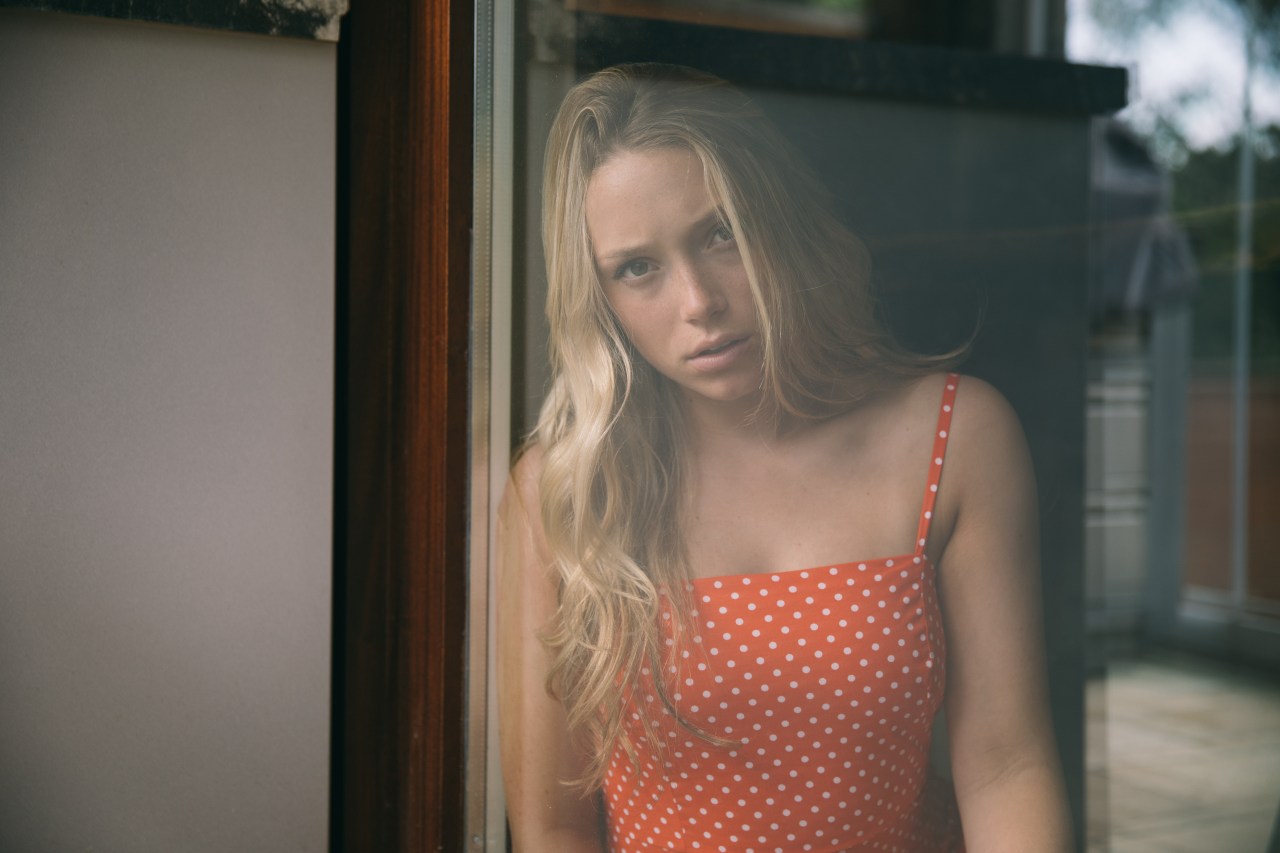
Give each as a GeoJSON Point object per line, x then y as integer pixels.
{"type": "Point", "coordinates": [1187, 60]}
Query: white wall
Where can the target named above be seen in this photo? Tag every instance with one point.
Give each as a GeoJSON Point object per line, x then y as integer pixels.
{"type": "Point", "coordinates": [166, 362]}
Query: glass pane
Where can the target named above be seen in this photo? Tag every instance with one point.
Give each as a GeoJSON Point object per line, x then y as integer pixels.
{"type": "Point", "coordinates": [1087, 266]}
{"type": "Point", "coordinates": [1183, 445]}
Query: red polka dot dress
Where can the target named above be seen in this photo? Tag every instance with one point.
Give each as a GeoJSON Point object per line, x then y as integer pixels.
{"type": "Point", "coordinates": [822, 685]}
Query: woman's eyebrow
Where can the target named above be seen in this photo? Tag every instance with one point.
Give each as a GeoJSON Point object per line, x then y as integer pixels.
{"type": "Point", "coordinates": [715, 216]}
{"type": "Point", "coordinates": [620, 254]}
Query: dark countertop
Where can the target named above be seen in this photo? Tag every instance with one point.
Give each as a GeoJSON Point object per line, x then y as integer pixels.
{"type": "Point", "coordinates": [874, 69]}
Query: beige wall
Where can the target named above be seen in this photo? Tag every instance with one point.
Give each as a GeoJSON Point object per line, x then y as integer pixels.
{"type": "Point", "coordinates": [166, 362]}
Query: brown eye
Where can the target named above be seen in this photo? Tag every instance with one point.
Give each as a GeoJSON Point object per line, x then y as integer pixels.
{"type": "Point", "coordinates": [633, 269]}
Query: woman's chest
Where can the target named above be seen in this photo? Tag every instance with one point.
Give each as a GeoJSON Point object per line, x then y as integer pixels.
{"type": "Point", "coordinates": [833, 647]}
{"type": "Point", "coordinates": [757, 527]}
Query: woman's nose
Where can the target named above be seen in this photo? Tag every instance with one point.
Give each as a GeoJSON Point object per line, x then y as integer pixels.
{"type": "Point", "coordinates": [701, 295]}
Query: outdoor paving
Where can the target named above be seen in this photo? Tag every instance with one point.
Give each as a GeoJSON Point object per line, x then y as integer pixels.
{"type": "Point", "coordinates": [1183, 757]}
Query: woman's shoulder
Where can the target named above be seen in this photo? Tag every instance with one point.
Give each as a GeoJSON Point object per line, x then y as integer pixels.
{"type": "Point", "coordinates": [982, 429]}
{"type": "Point", "coordinates": [983, 417]}
{"type": "Point", "coordinates": [523, 483]}
{"type": "Point", "coordinates": [526, 465]}
{"type": "Point", "coordinates": [986, 474]}
{"type": "Point", "coordinates": [986, 447]}
{"type": "Point", "coordinates": [977, 408]}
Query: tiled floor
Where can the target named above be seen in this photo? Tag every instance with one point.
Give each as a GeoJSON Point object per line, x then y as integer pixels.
{"type": "Point", "coordinates": [1184, 757]}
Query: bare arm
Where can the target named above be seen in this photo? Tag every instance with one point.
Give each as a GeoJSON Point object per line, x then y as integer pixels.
{"type": "Point", "coordinates": [538, 754]}
{"type": "Point", "coordinates": [1004, 760]}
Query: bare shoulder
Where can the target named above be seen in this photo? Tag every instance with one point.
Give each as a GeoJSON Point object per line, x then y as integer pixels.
{"type": "Point", "coordinates": [979, 407]}
{"type": "Point", "coordinates": [985, 431]}
{"type": "Point", "coordinates": [987, 476]}
{"type": "Point", "coordinates": [528, 463]}
{"type": "Point", "coordinates": [982, 417]}
{"type": "Point", "coordinates": [986, 506]}
{"type": "Point", "coordinates": [522, 557]}
{"type": "Point", "coordinates": [522, 539]}
{"type": "Point", "coordinates": [523, 484]}
{"type": "Point", "coordinates": [988, 489]}
{"type": "Point", "coordinates": [979, 402]}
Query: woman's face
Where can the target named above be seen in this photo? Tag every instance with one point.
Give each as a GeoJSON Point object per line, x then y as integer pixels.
{"type": "Point", "coordinates": [671, 271]}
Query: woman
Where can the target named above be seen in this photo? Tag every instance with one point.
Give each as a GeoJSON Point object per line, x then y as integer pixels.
{"type": "Point", "coordinates": [701, 644]}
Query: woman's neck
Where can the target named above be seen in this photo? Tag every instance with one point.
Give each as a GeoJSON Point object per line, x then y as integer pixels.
{"type": "Point", "coordinates": [722, 425]}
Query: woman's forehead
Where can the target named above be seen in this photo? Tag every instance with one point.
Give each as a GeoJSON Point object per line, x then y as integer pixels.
{"type": "Point", "coordinates": [638, 195]}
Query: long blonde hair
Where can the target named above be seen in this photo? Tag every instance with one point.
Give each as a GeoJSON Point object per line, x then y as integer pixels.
{"type": "Point", "coordinates": [612, 485]}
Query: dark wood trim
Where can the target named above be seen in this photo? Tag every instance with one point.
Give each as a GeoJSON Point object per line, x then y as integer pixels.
{"type": "Point", "coordinates": [405, 174]}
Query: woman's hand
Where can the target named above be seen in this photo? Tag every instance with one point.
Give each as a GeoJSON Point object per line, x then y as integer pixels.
{"type": "Point", "coordinates": [1004, 761]}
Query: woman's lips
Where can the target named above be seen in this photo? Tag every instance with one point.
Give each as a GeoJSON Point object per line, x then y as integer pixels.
{"type": "Point", "coordinates": [719, 356]}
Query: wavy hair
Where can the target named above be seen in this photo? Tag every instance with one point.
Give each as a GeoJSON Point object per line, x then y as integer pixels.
{"type": "Point", "coordinates": [612, 486]}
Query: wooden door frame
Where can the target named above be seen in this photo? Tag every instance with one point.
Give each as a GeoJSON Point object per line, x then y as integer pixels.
{"type": "Point", "coordinates": [405, 118]}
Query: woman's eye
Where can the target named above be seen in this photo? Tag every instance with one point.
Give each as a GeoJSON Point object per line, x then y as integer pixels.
{"type": "Point", "coordinates": [722, 234]}
{"type": "Point", "coordinates": [633, 269]}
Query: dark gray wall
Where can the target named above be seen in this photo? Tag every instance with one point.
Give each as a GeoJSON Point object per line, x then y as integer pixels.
{"type": "Point", "coordinates": [166, 361]}
{"type": "Point", "coordinates": [977, 223]}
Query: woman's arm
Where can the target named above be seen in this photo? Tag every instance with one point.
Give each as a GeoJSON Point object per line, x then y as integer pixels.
{"type": "Point", "coordinates": [538, 754]}
{"type": "Point", "coordinates": [1004, 759]}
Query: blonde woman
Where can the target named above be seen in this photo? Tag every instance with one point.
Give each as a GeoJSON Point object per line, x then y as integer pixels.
{"type": "Point", "coordinates": [753, 548]}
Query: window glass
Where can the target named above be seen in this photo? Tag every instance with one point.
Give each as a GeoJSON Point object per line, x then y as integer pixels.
{"type": "Point", "coordinates": [1096, 247]}
{"type": "Point", "coordinates": [1183, 434]}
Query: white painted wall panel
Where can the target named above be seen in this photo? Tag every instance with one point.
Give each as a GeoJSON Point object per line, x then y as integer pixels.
{"type": "Point", "coordinates": [166, 404]}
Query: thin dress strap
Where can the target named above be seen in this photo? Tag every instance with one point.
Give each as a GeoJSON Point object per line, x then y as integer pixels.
{"type": "Point", "coordinates": [935, 461]}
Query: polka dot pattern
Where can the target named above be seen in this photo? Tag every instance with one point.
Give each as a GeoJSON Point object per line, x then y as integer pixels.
{"type": "Point", "coordinates": [820, 687]}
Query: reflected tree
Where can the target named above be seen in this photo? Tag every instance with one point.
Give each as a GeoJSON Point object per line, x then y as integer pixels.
{"type": "Point", "coordinates": [1182, 114]}
{"type": "Point", "coordinates": [1205, 205]}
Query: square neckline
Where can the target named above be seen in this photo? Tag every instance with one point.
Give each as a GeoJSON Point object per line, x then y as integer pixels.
{"type": "Point", "coordinates": [888, 561]}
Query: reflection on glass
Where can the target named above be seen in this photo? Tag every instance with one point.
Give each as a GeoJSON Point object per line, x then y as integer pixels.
{"type": "Point", "coordinates": [1186, 380]}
